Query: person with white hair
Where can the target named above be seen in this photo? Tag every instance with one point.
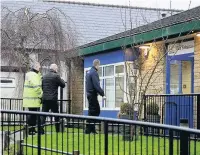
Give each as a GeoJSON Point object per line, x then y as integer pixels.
{"type": "Point", "coordinates": [50, 83]}
{"type": "Point", "coordinates": [32, 94]}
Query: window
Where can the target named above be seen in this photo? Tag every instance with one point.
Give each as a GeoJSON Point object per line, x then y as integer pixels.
{"type": "Point", "coordinates": [110, 91]}
{"type": "Point", "coordinates": [109, 70]}
{"type": "Point", "coordinates": [7, 82]}
{"type": "Point", "coordinates": [101, 102]}
{"type": "Point", "coordinates": [119, 69]}
{"type": "Point", "coordinates": [119, 91]}
{"type": "Point", "coordinates": [100, 71]}
{"type": "Point", "coordinates": [112, 82]}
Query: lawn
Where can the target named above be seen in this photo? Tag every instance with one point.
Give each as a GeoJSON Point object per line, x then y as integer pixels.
{"type": "Point", "coordinates": [74, 139]}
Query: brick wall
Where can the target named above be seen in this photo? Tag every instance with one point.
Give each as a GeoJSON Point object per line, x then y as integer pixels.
{"type": "Point", "coordinates": [196, 74]}
{"type": "Point", "coordinates": [197, 65]}
{"type": "Point", "coordinates": [77, 78]}
{"type": "Point", "coordinates": [157, 81]}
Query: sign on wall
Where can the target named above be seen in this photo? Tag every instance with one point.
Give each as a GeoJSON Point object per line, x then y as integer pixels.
{"type": "Point", "coordinates": [180, 48]}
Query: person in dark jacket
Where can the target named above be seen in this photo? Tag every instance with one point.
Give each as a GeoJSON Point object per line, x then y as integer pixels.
{"type": "Point", "coordinates": [50, 83]}
{"type": "Point", "coordinates": [93, 89]}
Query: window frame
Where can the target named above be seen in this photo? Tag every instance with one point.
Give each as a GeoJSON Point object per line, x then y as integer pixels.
{"type": "Point", "coordinates": [8, 85]}
{"type": "Point", "coordinates": [102, 106]}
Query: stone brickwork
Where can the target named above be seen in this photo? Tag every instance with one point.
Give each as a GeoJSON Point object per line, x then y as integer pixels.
{"type": "Point", "coordinates": [157, 80]}
{"type": "Point", "coordinates": [77, 85]}
{"type": "Point", "coordinates": [196, 75]}
{"type": "Point", "coordinates": [197, 65]}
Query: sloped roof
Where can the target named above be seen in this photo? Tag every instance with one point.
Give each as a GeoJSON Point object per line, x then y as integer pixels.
{"type": "Point", "coordinates": [187, 20]}
{"type": "Point", "coordinates": [92, 21]}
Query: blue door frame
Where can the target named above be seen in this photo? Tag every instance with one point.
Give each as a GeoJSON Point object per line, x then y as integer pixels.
{"type": "Point", "coordinates": [183, 57]}
{"type": "Point", "coordinates": [177, 107]}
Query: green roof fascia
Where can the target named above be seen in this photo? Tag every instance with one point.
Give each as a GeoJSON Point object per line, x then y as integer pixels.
{"type": "Point", "coordinates": [142, 37]}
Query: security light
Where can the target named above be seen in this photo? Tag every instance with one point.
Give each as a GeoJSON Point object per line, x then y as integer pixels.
{"type": "Point", "coordinates": [144, 47]}
{"type": "Point", "coordinates": [198, 34]}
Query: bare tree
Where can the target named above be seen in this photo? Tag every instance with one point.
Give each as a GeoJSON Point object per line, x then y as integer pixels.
{"type": "Point", "coordinates": [29, 36]}
{"type": "Point", "coordinates": [144, 67]}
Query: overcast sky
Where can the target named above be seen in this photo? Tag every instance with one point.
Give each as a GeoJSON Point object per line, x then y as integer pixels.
{"type": "Point", "coordinates": [176, 4]}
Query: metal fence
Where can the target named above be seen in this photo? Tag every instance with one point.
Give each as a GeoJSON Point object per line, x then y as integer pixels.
{"type": "Point", "coordinates": [17, 104]}
{"type": "Point", "coordinates": [125, 137]}
{"type": "Point", "coordinates": [173, 109]}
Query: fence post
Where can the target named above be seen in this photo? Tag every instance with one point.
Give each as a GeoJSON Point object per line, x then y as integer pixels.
{"type": "Point", "coordinates": [61, 123]}
{"type": "Point", "coordinates": [39, 134]}
{"type": "Point", "coordinates": [6, 140]}
{"type": "Point", "coordinates": [76, 152]}
{"type": "Point", "coordinates": [10, 104]}
{"type": "Point", "coordinates": [102, 128]}
{"type": "Point", "coordinates": [25, 131]}
{"type": "Point", "coordinates": [20, 147]}
{"type": "Point", "coordinates": [171, 142]}
{"type": "Point", "coordinates": [69, 107]}
{"type": "Point", "coordinates": [198, 111]}
{"type": "Point", "coordinates": [184, 143]}
{"type": "Point", "coordinates": [106, 138]}
{"type": "Point", "coordinates": [144, 103]}
{"type": "Point", "coordinates": [61, 100]}
{"type": "Point", "coordinates": [144, 100]}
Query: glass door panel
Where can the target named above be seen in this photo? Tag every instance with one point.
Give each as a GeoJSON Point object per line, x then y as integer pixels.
{"type": "Point", "coordinates": [174, 77]}
{"type": "Point", "coordinates": [186, 76]}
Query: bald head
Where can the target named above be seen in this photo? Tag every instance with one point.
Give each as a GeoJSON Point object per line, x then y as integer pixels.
{"type": "Point", "coordinates": [54, 67]}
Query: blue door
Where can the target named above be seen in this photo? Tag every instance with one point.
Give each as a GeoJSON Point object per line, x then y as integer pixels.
{"type": "Point", "coordinates": [180, 79]}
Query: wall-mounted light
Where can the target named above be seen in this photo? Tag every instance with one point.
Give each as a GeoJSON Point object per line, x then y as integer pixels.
{"type": "Point", "coordinates": [146, 49]}
{"type": "Point", "coordinates": [198, 34]}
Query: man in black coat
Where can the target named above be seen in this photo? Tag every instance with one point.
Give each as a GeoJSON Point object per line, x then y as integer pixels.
{"type": "Point", "coordinates": [50, 83]}
{"type": "Point", "coordinates": [93, 89]}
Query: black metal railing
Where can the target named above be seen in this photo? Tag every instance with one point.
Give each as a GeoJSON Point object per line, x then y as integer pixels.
{"type": "Point", "coordinates": [17, 104]}
{"type": "Point", "coordinates": [173, 109]}
{"type": "Point", "coordinates": [126, 137]}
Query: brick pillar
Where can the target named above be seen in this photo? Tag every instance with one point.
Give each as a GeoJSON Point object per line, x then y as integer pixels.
{"type": "Point", "coordinates": [77, 78]}
{"type": "Point", "coordinates": [197, 78]}
{"type": "Point", "coordinates": [197, 65]}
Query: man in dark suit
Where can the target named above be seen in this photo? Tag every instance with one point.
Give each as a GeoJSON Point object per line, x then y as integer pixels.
{"type": "Point", "coordinates": [50, 83]}
{"type": "Point", "coordinates": [93, 89]}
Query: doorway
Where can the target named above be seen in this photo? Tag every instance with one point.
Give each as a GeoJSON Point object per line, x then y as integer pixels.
{"type": "Point", "coordinates": [179, 84]}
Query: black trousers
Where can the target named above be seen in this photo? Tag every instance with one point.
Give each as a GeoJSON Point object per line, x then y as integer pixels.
{"type": "Point", "coordinates": [93, 110]}
{"type": "Point", "coordinates": [32, 119]}
{"type": "Point", "coordinates": [53, 106]}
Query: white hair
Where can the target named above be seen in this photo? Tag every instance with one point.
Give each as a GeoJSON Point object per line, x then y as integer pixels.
{"type": "Point", "coordinates": [53, 67]}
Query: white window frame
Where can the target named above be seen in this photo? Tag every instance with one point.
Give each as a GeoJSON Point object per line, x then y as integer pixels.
{"type": "Point", "coordinates": [103, 78]}
{"type": "Point", "coordinates": [8, 85]}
